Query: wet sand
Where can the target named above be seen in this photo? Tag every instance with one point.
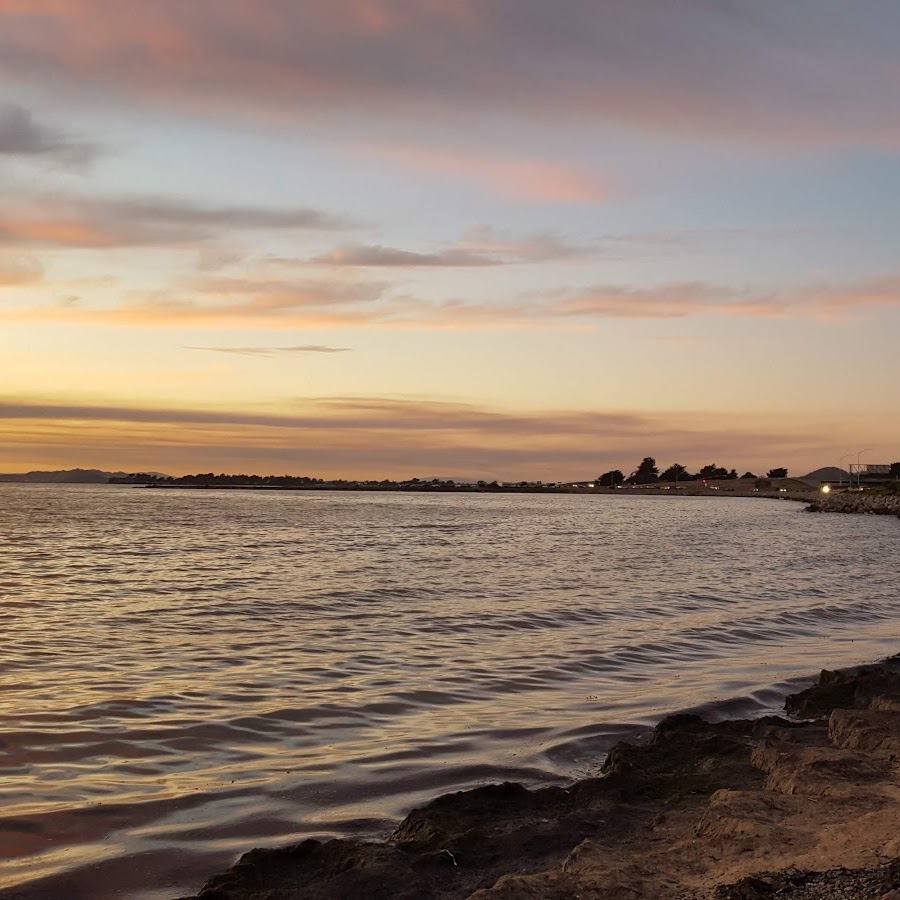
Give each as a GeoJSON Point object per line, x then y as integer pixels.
{"type": "Point", "coordinates": [800, 806]}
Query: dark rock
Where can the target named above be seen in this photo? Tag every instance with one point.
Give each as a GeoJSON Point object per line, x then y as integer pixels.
{"type": "Point", "coordinates": [749, 889]}
{"type": "Point", "coordinates": [891, 879]}
{"type": "Point", "coordinates": [686, 757]}
{"type": "Point", "coordinates": [843, 690]}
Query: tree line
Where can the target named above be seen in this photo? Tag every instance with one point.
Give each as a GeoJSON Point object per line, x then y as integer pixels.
{"type": "Point", "coordinates": [647, 472]}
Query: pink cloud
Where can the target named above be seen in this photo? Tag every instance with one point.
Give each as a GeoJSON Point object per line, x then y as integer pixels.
{"type": "Point", "coordinates": [529, 180]}
{"type": "Point", "coordinates": [778, 73]}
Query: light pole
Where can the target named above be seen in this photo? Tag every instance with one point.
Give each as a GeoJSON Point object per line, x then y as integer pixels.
{"type": "Point", "coordinates": [841, 466]}
{"type": "Point", "coordinates": [858, 455]}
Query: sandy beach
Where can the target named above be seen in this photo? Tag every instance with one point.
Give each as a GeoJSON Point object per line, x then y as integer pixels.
{"type": "Point", "coordinates": [797, 806]}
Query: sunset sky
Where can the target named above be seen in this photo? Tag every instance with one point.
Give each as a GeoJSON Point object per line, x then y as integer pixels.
{"type": "Point", "coordinates": [498, 238]}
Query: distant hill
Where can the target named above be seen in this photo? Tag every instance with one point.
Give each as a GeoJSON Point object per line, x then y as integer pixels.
{"type": "Point", "coordinates": [65, 476]}
{"type": "Point", "coordinates": [829, 473]}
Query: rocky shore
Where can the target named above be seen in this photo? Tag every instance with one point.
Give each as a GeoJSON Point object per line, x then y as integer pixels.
{"type": "Point", "coordinates": [803, 807]}
{"type": "Point", "coordinates": [877, 503]}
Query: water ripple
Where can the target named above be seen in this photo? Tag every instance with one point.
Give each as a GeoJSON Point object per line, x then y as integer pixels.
{"type": "Point", "coordinates": [188, 674]}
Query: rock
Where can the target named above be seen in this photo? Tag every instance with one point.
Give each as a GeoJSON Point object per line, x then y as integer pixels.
{"type": "Point", "coordinates": [685, 757]}
{"type": "Point", "coordinates": [844, 690]}
{"type": "Point", "coordinates": [874, 731]}
{"type": "Point", "coordinates": [813, 771]}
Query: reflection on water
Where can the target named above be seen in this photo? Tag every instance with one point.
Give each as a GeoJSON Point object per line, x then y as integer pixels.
{"type": "Point", "coordinates": [185, 675]}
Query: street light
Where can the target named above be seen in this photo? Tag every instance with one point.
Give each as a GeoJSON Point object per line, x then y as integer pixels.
{"type": "Point", "coordinates": [858, 455]}
{"type": "Point", "coordinates": [841, 467]}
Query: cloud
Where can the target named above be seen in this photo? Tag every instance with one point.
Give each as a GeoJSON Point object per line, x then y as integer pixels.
{"type": "Point", "coordinates": [260, 295]}
{"type": "Point", "coordinates": [264, 303]}
{"type": "Point", "coordinates": [845, 298]}
{"type": "Point", "coordinates": [668, 301]}
{"type": "Point", "coordinates": [242, 303]}
{"type": "Point", "coordinates": [364, 255]}
{"type": "Point", "coordinates": [18, 272]}
{"type": "Point", "coordinates": [804, 71]}
{"type": "Point", "coordinates": [391, 436]}
{"type": "Point", "coordinates": [542, 247]}
{"type": "Point", "coordinates": [522, 179]}
{"type": "Point", "coordinates": [479, 245]}
{"type": "Point", "coordinates": [21, 135]}
{"type": "Point", "coordinates": [93, 223]}
{"type": "Point", "coordinates": [382, 413]}
{"type": "Point", "coordinates": [272, 351]}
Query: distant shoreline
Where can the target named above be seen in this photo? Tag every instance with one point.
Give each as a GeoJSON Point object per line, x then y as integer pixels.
{"type": "Point", "coordinates": [443, 488]}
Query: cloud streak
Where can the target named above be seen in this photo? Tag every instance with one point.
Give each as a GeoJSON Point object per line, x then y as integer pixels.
{"type": "Point", "coordinates": [376, 256]}
{"type": "Point", "coordinates": [266, 303]}
{"type": "Point", "coordinates": [273, 351]}
{"type": "Point", "coordinates": [479, 245]}
{"type": "Point", "coordinates": [385, 436]}
{"type": "Point", "coordinates": [23, 136]}
{"type": "Point", "coordinates": [517, 178]}
{"type": "Point", "coordinates": [97, 223]}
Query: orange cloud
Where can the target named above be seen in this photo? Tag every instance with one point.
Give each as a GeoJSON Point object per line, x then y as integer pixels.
{"type": "Point", "coordinates": [99, 222]}
{"type": "Point", "coordinates": [56, 232]}
{"type": "Point", "coordinates": [267, 303]}
{"type": "Point", "coordinates": [17, 272]}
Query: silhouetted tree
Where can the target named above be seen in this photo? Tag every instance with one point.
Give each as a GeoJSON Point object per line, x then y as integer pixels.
{"type": "Point", "coordinates": [646, 472]}
{"type": "Point", "coordinates": [895, 470]}
{"type": "Point", "coordinates": [675, 472]}
{"type": "Point", "coordinates": [777, 473]}
{"type": "Point", "coordinates": [748, 475]}
{"type": "Point", "coordinates": [611, 479]}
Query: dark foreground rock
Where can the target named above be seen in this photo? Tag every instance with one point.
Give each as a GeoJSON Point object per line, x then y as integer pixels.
{"type": "Point", "coordinates": [730, 811]}
{"type": "Point", "coordinates": [835, 884]}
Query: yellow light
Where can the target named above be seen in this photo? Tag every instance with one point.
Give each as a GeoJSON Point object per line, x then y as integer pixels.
{"type": "Point", "coordinates": [826, 489]}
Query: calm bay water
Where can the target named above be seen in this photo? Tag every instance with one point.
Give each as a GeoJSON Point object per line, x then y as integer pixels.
{"type": "Point", "coordinates": [186, 675]}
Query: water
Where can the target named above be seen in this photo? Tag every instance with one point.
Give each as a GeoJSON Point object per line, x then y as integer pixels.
{"type": "Point", "coordinates": [186, 675]}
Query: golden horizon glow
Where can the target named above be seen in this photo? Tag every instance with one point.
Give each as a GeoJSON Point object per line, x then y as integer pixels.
{"type": "Point", "coordinates": [554, 218]}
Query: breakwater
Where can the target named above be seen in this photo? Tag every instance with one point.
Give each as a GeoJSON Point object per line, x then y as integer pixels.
{"type": "Point", "coordinates": [876, 503]}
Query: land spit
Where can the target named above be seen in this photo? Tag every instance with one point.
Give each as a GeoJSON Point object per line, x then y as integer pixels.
{"type": "Point", "coordinates": [798, 807]}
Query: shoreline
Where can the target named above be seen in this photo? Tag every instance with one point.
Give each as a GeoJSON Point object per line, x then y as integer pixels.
{"type": "Point", "coordinates": [427, 488]}
{"type": "Point", "coordinates": [732, 810]}
{"type": "Point", "coordinates": [873, 503]}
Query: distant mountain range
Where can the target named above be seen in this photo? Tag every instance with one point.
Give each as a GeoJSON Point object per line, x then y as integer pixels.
{"type": "Point", "coordinates": [65, 476]}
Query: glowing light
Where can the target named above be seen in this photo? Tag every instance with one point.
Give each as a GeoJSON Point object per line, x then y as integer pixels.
{"type": "Point", "coordinates": [826, 489]}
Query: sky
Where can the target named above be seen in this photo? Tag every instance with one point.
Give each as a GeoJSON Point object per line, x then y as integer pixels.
{"type": "Point", "coordinates": [443, 238]}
